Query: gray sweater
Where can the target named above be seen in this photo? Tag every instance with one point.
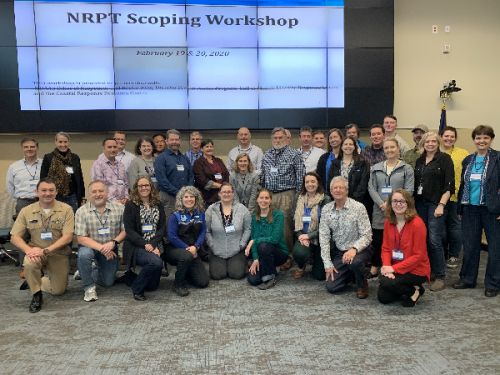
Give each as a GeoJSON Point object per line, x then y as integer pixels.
{"type": "Point", "coordinates": [222, 244]}
{"type": "Point", "coordinates": [401, 177]}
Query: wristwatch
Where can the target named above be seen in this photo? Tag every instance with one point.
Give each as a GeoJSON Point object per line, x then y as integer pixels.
{"type": "Point", "coordinates": [116, 243]}
{"type": "Point", "coordinates": [46, 251]}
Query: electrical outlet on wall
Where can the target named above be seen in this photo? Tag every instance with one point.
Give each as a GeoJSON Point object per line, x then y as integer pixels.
{"type": "Point", "coordinates": [435, 29]}
{"type": "Point", "coordinates": [446, 48]}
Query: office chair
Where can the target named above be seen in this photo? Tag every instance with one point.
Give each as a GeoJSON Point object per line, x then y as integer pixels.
{"type": "Point", "coordinates": [4, 252]}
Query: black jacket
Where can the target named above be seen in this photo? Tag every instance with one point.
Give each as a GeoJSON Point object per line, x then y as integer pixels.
{"type": "Point", "coordinates": [358, 178]}
{"type": "Point", "coordinates": [133, 229]}
{"type": "Point", "coordinates": [436, 178]}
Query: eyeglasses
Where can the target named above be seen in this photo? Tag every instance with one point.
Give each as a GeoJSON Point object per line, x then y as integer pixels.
{"type": "Point", "coordinates": [143, 186]}
{"type": "Point", "coordinates": [401, 202]}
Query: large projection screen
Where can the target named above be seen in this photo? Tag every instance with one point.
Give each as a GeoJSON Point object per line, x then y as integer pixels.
{"type": "Point", "coordinates": [137, 64]}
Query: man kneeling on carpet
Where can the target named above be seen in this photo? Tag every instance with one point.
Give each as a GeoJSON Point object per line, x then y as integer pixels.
{"type": "Point", "coordinates": [99, 228]}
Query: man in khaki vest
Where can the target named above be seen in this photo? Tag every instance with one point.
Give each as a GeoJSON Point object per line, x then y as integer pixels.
{"type": "Point", "coordinates": [50, 224]}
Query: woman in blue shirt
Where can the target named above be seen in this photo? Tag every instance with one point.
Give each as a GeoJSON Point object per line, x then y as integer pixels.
{"type": "Point", "coordinates": [479, 205]}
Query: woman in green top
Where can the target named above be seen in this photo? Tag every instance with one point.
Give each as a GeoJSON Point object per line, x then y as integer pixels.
{"type": "Point", "coordinates": [267, 243]}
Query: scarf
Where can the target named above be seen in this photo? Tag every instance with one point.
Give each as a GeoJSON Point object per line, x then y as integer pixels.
{"type": "Point", "coordinates": [149, 215]}
{"type": "Point", "coordinates": [312, 203]}
{"type": "Point", "coordinates": [467, 174]}
{"type": "Point", "coordinates": [57, 171]}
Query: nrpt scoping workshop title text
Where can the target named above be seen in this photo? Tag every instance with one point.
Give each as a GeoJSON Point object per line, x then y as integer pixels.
{"type": "Point", "coordinates": [162, 21]}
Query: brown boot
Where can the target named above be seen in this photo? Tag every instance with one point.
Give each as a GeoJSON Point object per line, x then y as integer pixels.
{"type": "Point", "coordinates": [362, 293]}
{"type": "Point", "coordinates": [287, 265]}
{"type": "Point", "coordinates": [298, 273]}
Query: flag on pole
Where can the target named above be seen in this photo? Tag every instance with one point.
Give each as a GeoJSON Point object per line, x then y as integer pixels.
{"type": "Point", "coordinates": [442, 120]}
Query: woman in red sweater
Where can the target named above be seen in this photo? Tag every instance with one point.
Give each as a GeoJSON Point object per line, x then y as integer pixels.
{"type": "Point", "coordinates": [405, 264]}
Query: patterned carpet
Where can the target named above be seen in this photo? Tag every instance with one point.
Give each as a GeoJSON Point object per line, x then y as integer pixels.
{"type": "Point", "coordinates": [232, 328]}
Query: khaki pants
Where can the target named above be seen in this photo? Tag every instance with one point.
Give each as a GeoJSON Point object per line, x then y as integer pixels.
{"type": "Point", "coordinates": [55, 280]}
{"type": "Point", "coordinates": [285, 201]}
{"type": "Point", "coordinates": [168, 202]}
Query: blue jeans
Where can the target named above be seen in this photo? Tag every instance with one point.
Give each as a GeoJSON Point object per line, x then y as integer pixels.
{"type": "Point", "coordinates": [103, 274]}
{"type": "Point", "coordinates": [149, 277]}
{"type": "Point", "coordinates": [453, 230]}
{"type": "Point", "coordinates": [435, 231]}
{"type": "Point", "coordinates": [474, 220]}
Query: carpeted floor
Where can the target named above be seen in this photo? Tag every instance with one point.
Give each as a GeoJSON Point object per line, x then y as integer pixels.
{"type": "Point", "coordinates": [232, 328]}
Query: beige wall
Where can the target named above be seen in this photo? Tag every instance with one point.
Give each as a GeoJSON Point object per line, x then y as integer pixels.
{"type": "Point", "coordinates": [420, 70]}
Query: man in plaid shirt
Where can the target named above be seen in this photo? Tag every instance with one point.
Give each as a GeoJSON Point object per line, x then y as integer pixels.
{"type": "Point", "coordinates": [282, 173]}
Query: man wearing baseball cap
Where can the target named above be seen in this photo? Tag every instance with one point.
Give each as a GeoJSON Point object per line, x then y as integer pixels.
{"type": "Point", "coordinates": [411, 156]}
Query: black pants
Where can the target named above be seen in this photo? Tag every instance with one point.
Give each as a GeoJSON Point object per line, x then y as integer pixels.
{"type": "Point", "coordinates": [189, 269]}
{"type": "Point", "coordinates": [234, 267]}
{"type": "Point", "coordinates": [149, 277]}
{"type": "Point", "coordinates": [403, 286]}
{"type": "Point", "coordinates": [270, 257]}
{"type": "Point", "coordinates": [346, 272]}
{"type": "Point", "coordinates": [378, 237]}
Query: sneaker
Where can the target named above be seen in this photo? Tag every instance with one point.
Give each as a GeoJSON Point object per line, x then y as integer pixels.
{"type": "Point", "coordinates": [267, 284]}
{"type": "Point", "coordinates": [76, 275]}
{"type": "Point", "coordinates": [437, 285]}
{"type": "Point", "coordinates": [453, 262]}
{"type": "Point", "coordinates": [90, 295]}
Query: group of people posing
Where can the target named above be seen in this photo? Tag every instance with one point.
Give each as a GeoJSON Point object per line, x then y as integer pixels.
{"type": "Point", "coordinates": [350, 210]}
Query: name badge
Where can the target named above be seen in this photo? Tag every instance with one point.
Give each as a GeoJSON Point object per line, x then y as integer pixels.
{"type": "Point", "coordinates": [103, 231]}
{"type": "Point", "coordinates": [274, 170]}
{"type": "Point", "coordinates": [46, 236]}
{"type": "Point", "coordinates": [180, 167]}
{"type": "Point", "coordinates": [147, 228]}
{"type": "Point", "coordinates": [230, 229]}
{"type": "Point", "coordinates": [475, 177]}
{"type": "Point", "coordinates": [420, 189]}
{"type": "Point", "coordinates": [69, 170]}
{"type": "Point", "coordinates": [120, 182]}
{"type": "Point", "coordinates": [387, 190]}
{"type": "Point", "coordinates": [397, 254]}
{"type": "Point", "coordinates": [33, 183]}
{"type": "Point", "coordinates": [306, 219]}
{"type": "Point", "coordinates": [153, 179]}
{"type": "Point", "coordinates": [218, 176]}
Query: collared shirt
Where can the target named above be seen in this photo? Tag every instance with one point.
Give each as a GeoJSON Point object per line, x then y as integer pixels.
{"type": "Point", "coordinates": [100, 227]}
{"type": "Point", "coordinates": [125, 157]}
{"type": "Point", "coordinates": [113, 174]}
{"type": "Point", "coordinates": [348, 227]}
{"type": "Point", "coordinates": [311, 158]}
{"type": "Point", "coordinates": [457, 155]}
{"type": "Point", "coordinates": [33, 219]}
{"type": "Point", "coordinates": [254, 152]}
{"type": "Point", "coordinates": [282, 170]}
{"type": "Point", "coordinates": [173, 171]}
{"type": "Point", "coordinates": [411, 156]}
{"type": "Point", "coordinates": [22, 179]}
{"type": "Point", "coordinates": [373, 155]}
{"type": "Point", "coordinates": [193, 156]}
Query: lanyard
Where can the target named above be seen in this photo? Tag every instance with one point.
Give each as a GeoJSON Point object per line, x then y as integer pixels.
{"type": "Point", "coordinates": [105, 219]}
{"type": "Point", "coordinates": [116, 171]}
{"type": "Point", "coordinates": [46, 223]}
{"type": "Point", "coordinates": [27, 169]}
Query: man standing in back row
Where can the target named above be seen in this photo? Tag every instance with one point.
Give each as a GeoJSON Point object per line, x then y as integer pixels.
{"type": "Point", "coordinates": [282, 173]}
{"type": "Point", "coordinates": [245, 146]}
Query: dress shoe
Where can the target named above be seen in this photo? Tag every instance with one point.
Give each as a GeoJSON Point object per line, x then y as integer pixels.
{"type": "Point", "coordinates": [36, 302]}
{"type": "Point", "coordinates": [461, 285]}
{"type": "Point", "coordinates": [139, 297]}
{"type": "Point", "coordinates": [490, 292]}
{"type": "Point", "coordinates": [24, 285]}
{"type": "Point", "coordinates": [412, 300]}
{"type": "Point", "coordinates": [181, 290]}
{"type": "Point", "coordinates": [362, 293]}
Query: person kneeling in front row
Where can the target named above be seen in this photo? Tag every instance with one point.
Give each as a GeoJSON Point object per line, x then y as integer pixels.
{"type": "Point", "coordinates": [405, 264]}
{"type": "Point", "coordinates": [344, 224]}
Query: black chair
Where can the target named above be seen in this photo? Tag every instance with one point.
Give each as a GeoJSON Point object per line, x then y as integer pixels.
{"type": "Point", "coordinates": [4, 252]}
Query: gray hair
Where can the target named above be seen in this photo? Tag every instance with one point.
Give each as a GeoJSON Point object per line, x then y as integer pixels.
{"type": "Point", "coordinates": [62, 134]}
{"type": "Point", "coordinates": [173, 131]}
{"type": "Point", "coordinates": [342, 179]}
{"type": "Point", "coordinates": [98, 182]}
{"type": "Point", "coordinates": [278, 129]}
{"type": "Point", "coordinates": [199, 203]}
